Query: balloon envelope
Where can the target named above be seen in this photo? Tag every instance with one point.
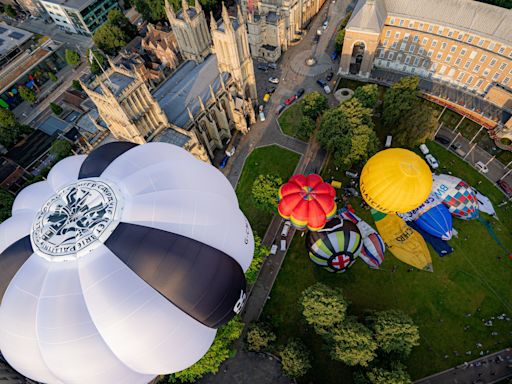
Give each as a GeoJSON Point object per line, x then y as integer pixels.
{"type": "Point", "coordinates": [437, 221]}
{"type": "Point", "coordinates": [395, 180]}
{"type": "Point", "coordinates": [336, 246]}
{"type": "Point", "coordinates": [307, 201]}
{"type": "Point", "coordinates": [457, 195]}
{"type": "Point", "coordinates": [120, 266]}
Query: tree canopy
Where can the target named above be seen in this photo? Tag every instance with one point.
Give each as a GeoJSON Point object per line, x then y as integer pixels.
{"type": "Point", "coordinates": [153, 10]}
{"type": "Point", "coordinates": [353, 344]}
{"type": "Point", "coordinates": [27, 94]}
{"type": "Point", "coordinates": [97, 58]}
{"type": "Point", "coordinates": [306, 128]}
{"type": "Point", "coordinates": [313, 104]}
{"type": "Point", "coordinates": [398, 375]}
{"type": "Point", "coordinates": [295, 359]}
{"type": "Point", "coordinates": [259, 337]}
{"type": "Point", "coordinates": [260, 251]}
{"type": "Point", "coordinates": [61, 149]}
{"type": "Point", "coordinates": [367, 94]}
{"type": "Point", "coordinates": [340, 38]}
{"type": "Point", "coordinates": [6, 200]}
{"type": "Point", "coordinates": [10, 129]}
{"type": "Point", "coordinates": [323, 307]}
{"type": "Point", "coordinates": [57, 109]}
{"type": "Point", "coordinates": [400, 99]}
{"type": "Point", "coordinates": [395, 332]}
{"type": "Point", "coordinates": [265, 192]}
{"type": "Point", "coordinates": [216, 355]}
{"type": "Point", "coordinates": [115, 33]}
{"type": "Point", "coordinates": [72, 57]}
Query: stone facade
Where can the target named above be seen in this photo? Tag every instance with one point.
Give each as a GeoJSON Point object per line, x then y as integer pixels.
{"type": "Point", "coordinates": [274, 25]}
{"type": "Point", "coordinates": [162, 45]}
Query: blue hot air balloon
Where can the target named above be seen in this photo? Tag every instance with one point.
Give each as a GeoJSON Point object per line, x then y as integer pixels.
{"type": "Point", "coordinates": [437, 221]}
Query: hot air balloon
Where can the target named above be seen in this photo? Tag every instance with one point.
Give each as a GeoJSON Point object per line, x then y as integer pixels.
{"type": "Point", "coordinates": [395, 181]}
{"type": "Point", "coordinates": [373, 249]}
{"type": "Point", "coordinates": [120, 266]}
{"type": "Point", "coordinates": [457, 195]}
{"type": "Point", "coordinates": [403, 242]}
{"type": "Point", "coordinates": [307, 201]}
{"type": "Point", "coordinates": [335, 247]}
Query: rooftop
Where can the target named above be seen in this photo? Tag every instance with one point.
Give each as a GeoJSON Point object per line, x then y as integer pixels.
{"type": "Point", "coordinates": [117, 84]}
{"type": "Point", "coordinates": [172, 136]}
{"type": "Point", "coordinates": [234, 23]}
{"type": "Point", "coordinates": [52, 124]}
{"type": "Point", "coordinates": [182, 89]}
{"type": "Point", "coordinates": [11, 37]}
{"type": "Point", "coordinates": [191, 13]}
{"type": "Point", "coordinates": [73, 4]}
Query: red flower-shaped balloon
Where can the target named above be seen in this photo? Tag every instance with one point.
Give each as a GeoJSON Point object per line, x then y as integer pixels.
{"type": "Point", "coordinates": [307, 201]}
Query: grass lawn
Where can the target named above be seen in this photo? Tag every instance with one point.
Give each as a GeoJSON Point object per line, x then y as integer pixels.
{"type": "Point", "coordinates": [472, 280]}
{"type": "Point", "coordinates": [467, 128]}
{"type": "Point", "coordinates": [290, 120]}
{"type": "Point", "coordinates": [267, 160]}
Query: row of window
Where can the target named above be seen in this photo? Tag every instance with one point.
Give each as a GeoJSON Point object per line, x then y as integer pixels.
{"type": "Point", "coordinates": [453, 34]}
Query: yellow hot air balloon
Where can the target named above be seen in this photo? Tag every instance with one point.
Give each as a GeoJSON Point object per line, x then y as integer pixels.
{"type": "Point", "coordinates": [395, 180]}
{"type": "Point", "coordinates": [402, 241]}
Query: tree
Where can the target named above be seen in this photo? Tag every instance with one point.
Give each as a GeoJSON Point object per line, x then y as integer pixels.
{"type": "Point", "coordinates": [115, 33]}
{"type": "Point", "coordinates": [323, 307]}
{"type": "Point", "coordinates": [10, 11]}
{"type": "Point", "coordinates": [353, 344]}
{"type": "Point", "coordinates": [216, 355]}
{"type": "Point", "coordinates": [97, 60]}
{"type": "Point", "coordinates": [367, 94]}
{"type": "Point", "coordinates": [260, 251]}
{"type": "Point", "coordinates": [400, 99]}
{"type": "Point", "coordinates": [72, 57]}
{"type": "Point", "coordinates": [27, 94]}
{"type": "Point", "coordinates": [398, 375]}
{"type": "Point", "coordinates": [313, 105]}
{"type": "Point", "coordinates": [57, 109]}
{"type": "Point", "coordinates": [61, 149]}
{"type": "Point", "coordinates": [52, 76]}
{"type": "Point", "coordinates": [340, 38]}
{"type": "Point", "coordinates": [395, 332]}
{"type": "Point", "coordinates": [295, 359]}
{"type": "Point", "coordinates": [265, 192]}
{"type": "Point", "coordinates": [7, 119]}
{"type": "Point", "coordinates": [76, 85]}
{"type": "Point", "coordinates": [418, 125]}
{"type": "Point", "coordinates": [10, 129]}
{"type": "Point", "coordinates": [306, 128]}
{"type": "Point", "coordinates": [153, 10]}
{"type": "Point", "coordinates": [6, 201]}
{"type": "Point", "coordinates": [259, 337]}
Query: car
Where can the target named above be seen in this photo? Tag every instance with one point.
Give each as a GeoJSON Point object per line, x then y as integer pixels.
{"type": "Point", "coordinates": [290, 100]}
{"type": "Point", "coordinates": [266, 98]}
{"type": "Point", "coordinates": [319, 31]}
{"type": "Point", "coordinates": [329, 76]}
{"type": "Point", "coordinates": [431, 160]}
{"type": "Point", "coordinates": [424, 149]}
{"type": "Point", "coordinates": [505, 187]}
{"type": "Point", "coordinates": [261, 108]}
{"type": "Point", "coordinates": [273, 80]}
{"type": "Point", "coordinates": [442, 139]}
{"type": "Point", "coordinates": [273, 249]}
{"type": "Point", "coordinates": [283, 245]}
{"type": "Point", "coordinates": [481, 167]}
{"type": "Point", "coordinates": [286, 228]}
{"type": "Point", "coordinates": [224, 161]}
{"type": "Point", "coordinates": [262, 116]}
{"type": "Point", "coordinates": [321, 82]}
{"type": "Point", "coordinates": [327, 90]}
{"type": "Point", "coordinates": [389, 139]}
{"type": "Point", "coordinates": [271, 90]}
{"type": "Point", "coordinates": [455, 146]}
{"type": "Point", "coordinates": [300, 92]}
{"type": "Point", "coordinates": [316, 39]}
{"type": "Point", "coordinates": [272, 65]}
{"type": "Point", "coordinates": [352, 174]}
{"type": "Point", "coordinates": [263, 67]}
{"type": "Point", "coordinates": [325, 24]}
{"type": "Point", "coordinates": [334, 55]}
{"type": "Point", "coordinates": [280, 108]}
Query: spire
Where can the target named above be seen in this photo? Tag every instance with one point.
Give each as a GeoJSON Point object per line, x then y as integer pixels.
{"type": "Point", "coordinates": [197, 6]}
{"type": "Point", "coordinates": [213, 22]}
{"type": "Point", "coordinates": [169, 11]}
{"type": "Point", "coordinates": [222, 82]}
{"type": "Point", "coordinates": [225, 17]}
{"type": "Point", "coordinates": [190, 115]}
{"type": "Point", "coordinates": [201, 103]}
{"type": "Point", "coordinates": [184, 9]}
{"type": "Point", "coordinates": [212, 94]}
{"type": "Point", "coordinates": [239, 15]}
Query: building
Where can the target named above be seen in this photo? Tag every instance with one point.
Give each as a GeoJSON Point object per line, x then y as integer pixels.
{"type": "Point", "coordinates": [33, 7]}
{"type": "Point", "coordinates": [275, 24]}
{"type": "Point", "coordinates": [199, 106]}
{"type": "Point", "coordinates": [79, 16]}
{"type": "Point", "coordinates": [163, 45]}
{"type": "Point", "coordinates": [462, 44]}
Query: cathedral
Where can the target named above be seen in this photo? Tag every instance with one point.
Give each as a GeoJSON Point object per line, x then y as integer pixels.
{"type": "Point", "coordinates": [201, 104]}
{"type": "Point", "coordinates": [275, 24]}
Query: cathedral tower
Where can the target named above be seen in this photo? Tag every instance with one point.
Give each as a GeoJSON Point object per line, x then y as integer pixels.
{"type": "Point", "coordinates": [232, 50]}
{"type": "Point", "coordinates": [189, 26]}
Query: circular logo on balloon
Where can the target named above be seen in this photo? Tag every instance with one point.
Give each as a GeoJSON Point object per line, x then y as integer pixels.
{"type": "Point", "coordinates": [77, 219]}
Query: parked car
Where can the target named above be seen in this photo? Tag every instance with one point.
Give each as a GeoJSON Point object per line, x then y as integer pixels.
{"type": "Point", "coordinates": [325, 24]}
{"type": "Point", "coordinates": [266, 98]}
{"type": "Point", "coordinates": [319, 31]}
{"type": "Point", "coordinates": [431, 160]}
{"type": "Point", "coordinates": [321, 82]}
{"type": "Point", "coordinates": [424, 149]}
{"type": "Point", "coordinates": [290, 100]}
{"type": "Point", "coordinates": [280, 108]}
{"type": "Point", "coordinates": [329, 76]}
{"type": "Point", "coordinates": [389, 139]}
{"type": "Point", "coordinates": [283, 245]}
{"type": "Point", "coordinates": [272, 65]}
{"type": "Point", "coordinates": [263, 67]}
{"type": "Point", "coordinates": [442, 139]}
{"type": "Point", "coordinates": [352, 174]}
{"type": "Point", "coordinates": [286, 228]}
{"type": "Point", "coordinates": [230, 151]}
{"type": "Point", "coordinates": [316, 39]}
{"type": "Point", "coordinates": [271, 90]}
{"type": "Point", "coordinates": [327, 90]}
{"type": "Point", "coordinates": [505, 187]}
{"type": "Point", "coordinates": [273, 249]}
{"type": "Point", "coordinates": [455, 146]}
{"type": "Point", "coordinates": [273, 80]}
{"type": "Point", "coordinates": [300, 92]}
{"type": "Point", "coordinates": [334, 55]}
{"type": "Point", "coordinates": [481, 167]}
{"type": "Point", "coordinates": [262, 116]}
{"type": "Point", "coordinates": [224, 161]}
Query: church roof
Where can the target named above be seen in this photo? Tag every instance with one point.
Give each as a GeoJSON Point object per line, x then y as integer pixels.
{"type": "Point", "coordinates": [117, 84]}
{"type": "Point", "coordinates": [183, 88]}
{"type": "Point", "coordinates": [368, 16]}
{"type": "Point", "coordinates": [191, 13]}
{"type": "Point", "coordinates": [172, 136]}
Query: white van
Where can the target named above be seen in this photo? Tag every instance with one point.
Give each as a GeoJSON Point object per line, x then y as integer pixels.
{"type": "Point", "coordinates": [327, 89]}
{"type": "Point", "coordinates": [286, 228]}
{"type": "Point", "coordinates": [389, 139]}
{"type": "Point", "coordinates": [283, 245]}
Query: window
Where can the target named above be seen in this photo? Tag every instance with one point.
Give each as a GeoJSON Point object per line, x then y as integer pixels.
{"type": "Point", "coordinates": [481, 42]}
{"type": "Point", "coordinates": [406, 37]}
{"type": "Point", "coordinates": [439, 55]}
{"type": "Point", "coordinates": [468, 63]}
{"type": "Point", "coordinates": [411, 48]}
{"type": "Point", "coordinates": [506, 80]}
{"type": "Point", "coordinates": [388, 33]}
{"type": "Point", "coordinates": [397, 35]}
{"type": "Point", "coordinates": [450, 33]}
{"type": "Point", "coordinates": [416, 61]}
{"type": "Point", "coordinates": [470, 39]}
{"type": "Point", "coordinates": [460, 36]}
{"type": "Point", "coordinates": [381, 53]}
{"type": "Point", "coordinates": [402, 46]}
{"type": "Point", "coordinates": [401, 23]}
{"type": "Point", "coordinates": [469, 80]}
{"type": "Point", "coordinates": [502, 50]}
{"type": "Point", "coordinates": [457, 62]}
{"type": "Point", "coordinates": [479, 83]}
{"type": "Point", "coordinates": [503, 66]}
{"type": "Point", "coordinates": [433, 67]}
{"type": "Point", "coordinates": [461, 75]}
{"type": "Point", "coordinates": [430, 52]}
{"type": "Point", "coordinates": [421, 51]}
{"type": "Point", "coordinates": [440, 30]}
{"type": "Point", "coordinates": [420, 26]}
{"type": "Point", "coordinates": [472, 55]}
{"type": "Point", "coordinates": [491, 46]}
{"type": "Point", "coordinates": [483, 58]}
{"type": "Point", "coordinates": [443, 46]}
{"type": "Point", "coordinates": [492, 62]}
{"type": "Point", "coordinates": [434, 43]}
{"type": "Point", "coordinates": [407, 59]}
{"type": "Point", "coordinates": [476, 68]}
{"type": "Point", "coordinates": [442, 70]}
{"type": "Point", "coordinates": [448, 58]}
{"type": "Point", "coordinates": [385, 43]}
{"type": "Point", "coordinates": [424, 41]}
{"type": "Point", "coordinates": [462, 52]}
{"type": "Point", "coordinates": [453, 48]}
{"type": "Point", "coordinates": [390, 55]}
{"type": "Point", "coordinates": [495, 77]}
{"type": "Point", "coordinates": [430, 28]}
{"type": "Point", "coordinates": [411, 24]}
{"type": "Point", "coordinates": [415, 39]}
{"type": "Point", "coordinates": [394, 45]}
{"type": "Point", "coordinates": [392, 21]}
{"type": "Point", "coordinates": [486, 72]}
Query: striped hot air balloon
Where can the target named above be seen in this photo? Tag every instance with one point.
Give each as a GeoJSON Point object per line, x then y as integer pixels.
{"type": "Point", "coordinates": [335, 247]}
{"type": "Point", "coordinates": [457, 195]}
{"type": "Point", "coordinates": [307, 201]}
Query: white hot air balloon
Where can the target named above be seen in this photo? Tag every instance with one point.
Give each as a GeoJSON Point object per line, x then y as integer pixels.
{"type": "Point", "coordinates": [120, 266]}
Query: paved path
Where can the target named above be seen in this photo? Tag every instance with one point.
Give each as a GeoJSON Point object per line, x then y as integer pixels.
{"type": "Point", "coordinates": [489, 369]}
